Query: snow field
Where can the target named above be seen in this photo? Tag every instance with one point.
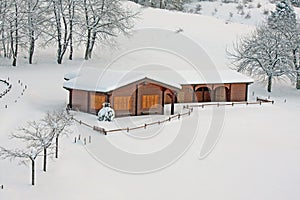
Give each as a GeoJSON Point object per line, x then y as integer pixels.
{"type": "Point", "coordinates": [256, 156]}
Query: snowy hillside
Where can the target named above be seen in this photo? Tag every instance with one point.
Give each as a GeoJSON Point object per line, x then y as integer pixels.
{"type": "Point", "coordinates": [244, 12]}
{"type": "Point", "coordinates": [256, 156]}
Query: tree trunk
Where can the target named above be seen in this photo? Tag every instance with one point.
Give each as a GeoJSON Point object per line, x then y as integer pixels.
{"type": "Point", "coordinates": [31, 47]}
{"type": "Point", "coordinates": [3, 43]}
{"type": "Point", "coordinates": [59, 59]}
{"type": "Point", "coordinates": [298, 80]}
{"type": "Point", "coordinates": [71, 15]}
{"type": "Point", "coordinates": [59, 48]}
{"type": "Point", "coordinates": [71, 47]}
{"type": "Point", "coordinates": [32, 172]}
{"type": "Point", "coordinates": [87, 47]}
{"type": "Point", "coordinates": [270, 77]}
{"type": "Point", "coordinates": [56, 147]}
{"type": "Point", "coordinates": [93, 41]}
{"type": "Point", "coordinates": [45, 160]}
{"type": "Point", "coordinates": [88, 39]}
{"type": "Point", "coordinates": [14, 63]}
{"type": "Point", "coordinates": [15, 54]}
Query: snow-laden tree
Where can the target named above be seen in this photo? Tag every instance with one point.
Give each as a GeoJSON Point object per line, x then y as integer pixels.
{"type": "Point", "coordinates": [58, 123]}
{"type": "Point", "coordinates": [13, 25]}
{"type": "Point", "coordinates": [38, 135]}
{"type": "Point", "coordinates": [264, 55]}
{"type": "Point", "coordinates": [283, 21]}
{"type": "Point", "coordinates": [103, 20]}
{"type": "Point", "coordinates": [4, 10]}
{"type": "Point", "coordinates": [35, 23]}
{"type": "Point", "coordinates": [163, 4]}
{"type": "Point", "coordinates": [60, 29]}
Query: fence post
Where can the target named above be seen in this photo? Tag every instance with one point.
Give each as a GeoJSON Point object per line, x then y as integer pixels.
{"type": "Point", "coordinates": [84, 141]}
{"type": "Point", "coordinates": [90, 139]}
{"type": "Point", "coordinates": [79, 137]}
{"type": "Point", "coordinates": [75, 140]}
{"type": "Point", "coordinates": [2, 187]}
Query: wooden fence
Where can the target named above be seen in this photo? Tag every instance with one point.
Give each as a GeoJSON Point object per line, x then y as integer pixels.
{"type": "Point", "coordinates": [188, 109]}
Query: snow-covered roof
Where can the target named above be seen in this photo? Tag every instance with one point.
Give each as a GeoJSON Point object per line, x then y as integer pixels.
{"type": "Point", "coordinates": [93, 79]}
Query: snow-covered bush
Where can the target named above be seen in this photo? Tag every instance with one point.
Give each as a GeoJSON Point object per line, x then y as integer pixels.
{"type": "Point", "coordinates": [106, 113]}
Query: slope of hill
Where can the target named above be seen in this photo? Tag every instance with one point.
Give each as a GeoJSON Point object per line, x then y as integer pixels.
{"type": "Point", "coordinates": [256, 156]}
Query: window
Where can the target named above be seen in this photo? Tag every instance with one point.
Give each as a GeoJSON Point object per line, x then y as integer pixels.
{"type": "Point", "coordinates": [150, 101]}
{"type": "Point", "coordinates": [96, 101]}
{"type": "Point", "coordinates": [122, 103]}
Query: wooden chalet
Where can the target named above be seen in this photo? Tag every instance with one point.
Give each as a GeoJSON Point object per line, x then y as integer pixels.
{"type": "Point", "coordinates": [144, 93]}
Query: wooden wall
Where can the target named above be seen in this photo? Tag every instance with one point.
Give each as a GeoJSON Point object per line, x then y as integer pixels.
{"type": "Point", "coordinates": [80, 100]}
{"type": "Point", "coordinates": [239, 92]}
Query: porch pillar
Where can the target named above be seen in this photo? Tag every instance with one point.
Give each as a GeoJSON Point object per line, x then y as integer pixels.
{"type": "Point", "coordinates": [172, 104]}
{"type": "Point", "coordinates": [136, 99]}
{"type": "Point", "coordinates": [163, 101]}
{"type": "Point", "coordinates": [194, 93]}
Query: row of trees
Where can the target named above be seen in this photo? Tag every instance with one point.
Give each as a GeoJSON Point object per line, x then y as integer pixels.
{"type": "Point", "coordinates": [65, 23]}
{"type": "Point", "coordinates": [39, 138]}
{"type": "Point", "coordinates": [164, 4]}
{"type": "Point", "coordinates": [273, 49]}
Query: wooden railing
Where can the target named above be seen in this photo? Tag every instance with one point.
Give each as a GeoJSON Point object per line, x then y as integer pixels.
{"type": "Point", "coordinates": [187, 112]}
{"type": "Point", "coordinates": [188, 109]}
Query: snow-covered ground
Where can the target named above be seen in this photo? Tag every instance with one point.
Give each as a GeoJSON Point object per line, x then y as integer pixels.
{"type": "Point", "coordinates": [245, 12]}
{"type": "Point", "coordinates": [256, 156]}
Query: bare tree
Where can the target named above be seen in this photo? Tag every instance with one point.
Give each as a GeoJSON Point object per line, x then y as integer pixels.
{"type": "Point", "coordinates": [58, 123]}
{"type": "Point", "coordinates": [28, 154]}
{"type": "Point", "coordinates": [37, 134]}
{"type": "Point", "coordinates": [103, 20]}
{"type": "Point", "coordinates": [264, 54]}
